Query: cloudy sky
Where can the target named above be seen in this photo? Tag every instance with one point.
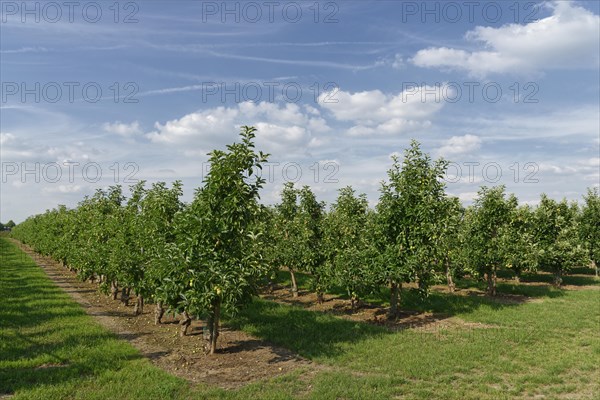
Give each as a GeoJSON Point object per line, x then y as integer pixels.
{"type": "Point", "coordinates": [95, 94]}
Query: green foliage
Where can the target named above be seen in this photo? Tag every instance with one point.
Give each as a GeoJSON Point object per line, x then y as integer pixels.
{"type": "Point", "coordinates": [485, 223]}
{"type": "Point", "coordinates": [211, 255]}
{"type": "Point", "coordinates": [309, 220]}
{"type": "Point", "coordinates": [155, 227]}
{"type": "Point", "coordinates": [557, 237]}
{"type": "Point", "coordinates": [348, 242]}
{"type": "Point", "coordinates": [126, 251]}
{"type": "Point", "coordinates": [218, 232]}
{"type": "Point", "coordinates": [517, 239]}
{"type": "Point", "coordinates": [286, 235]}
{"type": "Point", "coordinates": [408, 218]}
{"type": "Point", "coordinates": [589, 224]}
{"type": "Point", "coordinates": [296, 235]}
{"type": "Point", "coordinates": [451, 239]}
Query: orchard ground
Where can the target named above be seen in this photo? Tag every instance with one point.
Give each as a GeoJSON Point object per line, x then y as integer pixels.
{"type": "Point", "coordinates": [60, 338]}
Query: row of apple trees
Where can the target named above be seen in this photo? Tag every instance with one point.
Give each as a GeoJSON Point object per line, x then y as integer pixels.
{"type": "Point", "coordinates": [417, 234]}
{"type": "Point", "coordinates": [212, 255]}
{"type": "Point", "coordinates": [199, 259]}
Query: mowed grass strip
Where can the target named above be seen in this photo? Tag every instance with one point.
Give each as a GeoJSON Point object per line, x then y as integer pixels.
{"type": "Point", "coordinates": [50, 349]}
{"type": "Point", "coordinates": [547, 347]}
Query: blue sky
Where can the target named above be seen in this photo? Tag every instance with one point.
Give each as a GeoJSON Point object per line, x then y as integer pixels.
{"type": "Point", "coordinates": [361, 78]}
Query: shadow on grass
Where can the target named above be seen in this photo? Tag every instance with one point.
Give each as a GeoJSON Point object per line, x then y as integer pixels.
{"type": "Point", "coordinates": [315, 334]}
{"type": "Point", "coordinates": [310, 334]}
{"type": "Point", "coordinates": [575, 280]}
{"type": "Point", "coordinates": [46, 338]}
{"type": "Point", "coordinates": [583, 271]}
{"type": "Point", "coordinates": [318, 333]}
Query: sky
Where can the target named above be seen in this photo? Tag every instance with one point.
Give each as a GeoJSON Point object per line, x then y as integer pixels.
{"type": "Point", "coordinates": [98, 93]}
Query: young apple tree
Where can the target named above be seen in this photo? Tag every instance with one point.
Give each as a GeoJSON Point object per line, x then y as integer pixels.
{"type": "Point", "coordinates": [485, 222]}
{"type": "Point", "coordinates": [286, 248]}
{"type": "Point", "coordinates": [158, 209]}
{"type": "Point", "coordinates": [124, 242]}
{"type": "Point", "coordinates": [451, 240]}
{"type": "Point", "coordinates": [218, 236]}
{"type": "Point", "coordinates": [309, 220]}
{"type": "Point", "coordinates": [517, 239]}
{"type": "Point", "coordinates": [557, 238]}
{"type": "Point", "coordinates": [409, 212]}
{"type": "Point", "coordinates": [350, 254]}
{"type": "Point", "coordinates": [589, 226]}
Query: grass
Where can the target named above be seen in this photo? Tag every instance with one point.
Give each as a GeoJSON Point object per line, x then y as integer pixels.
{"type": "Point", "coordinates": [50, 349]}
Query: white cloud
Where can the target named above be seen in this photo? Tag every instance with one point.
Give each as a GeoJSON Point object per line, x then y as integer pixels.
{"type": "Point", "coordinates": [460, 145]}
{"type": "Point", "coordinates": [375, 106]}
{"type": "Point", "coordinates": [587, 168]}
{"type": "Point", "coordinates": [216, 121]}
{"type": "Point", "coordinates": [5, 138]}
{"type": "Point", "coordinates": [466, 197]}
{"type": "Point", "coordinates": [123, 129]}
{"type": "Point", "coordinates": [592, 162]}
{"type": "Point", "coordinates": [398, 62]}
{"type": "Point", "coordinates": [569, 38]}
{"type": "Point", "coordinates": [545, 167]}
{"type": "Point", "coordinates": [287, 127]}
{"type": "Point", "coordinates": [25, 50]}
{"type": "Point", "coordinates": [62, 189]}
{"type": "Point", "coordinates": [374, 112]}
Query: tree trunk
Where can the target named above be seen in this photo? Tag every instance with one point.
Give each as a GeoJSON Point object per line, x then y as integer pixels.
{"type": "Point", "coordinates": [207, 332]}
{"type": "Point", "coordinates": [451, 285]}
{"type": "Point", "coordinates": [595, 267]}
{"type": "Point", "coordinates": [114, 289]}
{"type": "Point", "coordinates": [558, 278]}
{"type": "Point", "coordinates": [185, 323]}
{"type": "Point", "coordinates": [394, 299]}
{"type": "Point", "coordinates": [271, 286]}
{"type": "Point", "coordinates": [125, 296]}
{"type": "Point", "coordinates": [159, 311]}
{"type": "Point", "coordinates": [294, 284]}
{"type": "Point", "coordinates": [139, 305]}
{"type": "Point", "coordinates": [211, 330]}
{"type": "Point", "coordinates": [354, 302]}
{"type": "Point", "coordinates": [320, 297]}
{"type": "Point", "coordinates": [491, 281]}
{"type": "Point", "coordinates": [215, 329]}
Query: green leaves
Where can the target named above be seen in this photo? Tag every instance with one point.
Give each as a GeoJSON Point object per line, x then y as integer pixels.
{"type": "Point", "coordinates": [213, 252]}
{"type": "Point", "coordinates": [217, 233]}
{"type": "Point", "coordinates": [557, 236]}
{"type": "Point", "coordinates": [589, 224]}
{"type": "Point", "coordinates": [409, 221]}
{"type": "Point", "coordinates": [348, 245]}
{"type": "Point", "coordinates": [485, 222]}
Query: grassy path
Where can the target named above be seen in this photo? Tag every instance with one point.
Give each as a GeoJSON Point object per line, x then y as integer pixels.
{"type": "Point", "coordinates": [547, 348]}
